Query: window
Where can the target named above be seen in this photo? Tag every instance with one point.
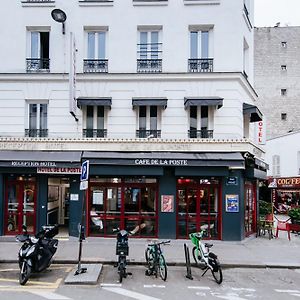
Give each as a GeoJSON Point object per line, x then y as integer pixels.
{"type": "Point", "coordinates": [148, 122]}
{"type": "Point", "coordinates": [199, 52]}
{"type": "Point", "coordinates": [39, 52]}
{"type": "Point", "coordinates": [149, 52]}
{"type": "Point", "coordinates": [276, 165]}
{"type": "Point", "coordinates": [96, 52]}
{"type": "Point", "coordinates": [283, 67]}
{"type": "Point", "coordinates": [283, 92]}
{"type": "Point", "coordinates": [199, 122]}
{"type": "Point", "coordinates": [283, 44]}
{"type": "Point", "coordinates": [283, 116]}
{"type": "Point", "coordinates": [95, 122]}
{"type": "Point", "coordinates": [37, 120]}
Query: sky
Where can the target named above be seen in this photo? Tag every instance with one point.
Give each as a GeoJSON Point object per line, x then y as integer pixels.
{"type": "Point", "coordinates": [268, 12]}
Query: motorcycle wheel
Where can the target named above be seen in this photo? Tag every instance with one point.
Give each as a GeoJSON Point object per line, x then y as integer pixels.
{"type": "Point", "coordinates": [24, 276]}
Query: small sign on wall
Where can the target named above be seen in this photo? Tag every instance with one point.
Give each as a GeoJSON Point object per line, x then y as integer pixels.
{"type": "Point", "coordinates": [232, 203]}
{"type": "Point", "coordinates": [167, 203]}
{"type": "Point", "coordinates": [231, 180]}
{"type": "Point", "coordinates": [74, 197]}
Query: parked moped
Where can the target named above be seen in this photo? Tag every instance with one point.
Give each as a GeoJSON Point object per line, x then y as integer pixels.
{"type": "Point", "coordinates": [35, 255]}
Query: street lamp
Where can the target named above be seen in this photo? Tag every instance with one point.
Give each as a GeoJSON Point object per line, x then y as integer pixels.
{"type": "Point", "coordinates": [59, 16]}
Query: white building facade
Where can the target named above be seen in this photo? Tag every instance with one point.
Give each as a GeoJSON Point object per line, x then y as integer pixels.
{"type": "Point", "coordinates": [157, 95]}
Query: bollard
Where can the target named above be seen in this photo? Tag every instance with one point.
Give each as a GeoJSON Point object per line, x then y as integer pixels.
{"type": "Point", "coordinates": [188, 262]}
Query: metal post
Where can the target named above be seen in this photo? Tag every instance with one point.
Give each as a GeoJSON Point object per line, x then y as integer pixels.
{"type": "Point", "coordinates": [188, 262]}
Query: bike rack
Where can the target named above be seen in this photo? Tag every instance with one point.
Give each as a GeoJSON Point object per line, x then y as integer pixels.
{"type": "Point", "coordinates": [188, 262]}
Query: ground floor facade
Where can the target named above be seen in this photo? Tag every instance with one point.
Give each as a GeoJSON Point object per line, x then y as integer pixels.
{"type": "Point", "coordinates": [152, 194]}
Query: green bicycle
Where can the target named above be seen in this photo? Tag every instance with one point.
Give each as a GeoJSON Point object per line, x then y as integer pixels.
{"type": "Point", "coordinates": [156, 261]}
{"type": "Point", "coordinates": [205, 259]}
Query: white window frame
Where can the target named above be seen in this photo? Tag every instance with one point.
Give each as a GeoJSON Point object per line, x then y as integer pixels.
{"type": "Point", "coordinates": [210, 117]}
{"type": "Point", "coordinates": [95, 125]}
{"type": "Point", "coordinates": [276, 165]}
{"type": "Point", "coordinates": [159, 116]}
{"type": "Point", "coordinates": [37, 102]}
{"type": "Point", "coordinates": [96, 50]}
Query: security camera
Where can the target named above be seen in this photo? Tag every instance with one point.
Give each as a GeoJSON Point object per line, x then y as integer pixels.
{"type": "Point", "coordinates": [246, 155]}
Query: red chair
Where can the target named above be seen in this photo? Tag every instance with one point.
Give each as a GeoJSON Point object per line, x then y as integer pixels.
{"type": "Point", "coordinates": [283, 226]}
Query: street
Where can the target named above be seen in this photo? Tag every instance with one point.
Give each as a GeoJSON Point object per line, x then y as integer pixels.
{"type": "Point", "coordinates": [238, 284]}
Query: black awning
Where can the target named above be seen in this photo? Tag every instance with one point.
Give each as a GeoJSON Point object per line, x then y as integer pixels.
{"type": "Point", "coordinates": [94, 101]}
{"type": "Point", "coordinates": [253, 111]}
{"type": "Point", "coordinates": [203, 101]}
{"type": "Point", "coordinates": [149, 102]}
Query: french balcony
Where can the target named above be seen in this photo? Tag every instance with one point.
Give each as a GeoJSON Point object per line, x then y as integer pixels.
{"type": "Point", "coordinates": [149, 65]}
{"type": "Point", "coordinates": [37, 65]}
{"type": "Point", "coordinates": [144, 133]}
{"type": "Point", "coordinates": [200, 134]}
{"type": "Point", "coordinates": [36, 133]}
{"type": "Point", "coordinates": [94, 133]}
{"type": "Point", "coordinates": [95, 65]}
{"type": "Point", "coordinates": [200, 65]}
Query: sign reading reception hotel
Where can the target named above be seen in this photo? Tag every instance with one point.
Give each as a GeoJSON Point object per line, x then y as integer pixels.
{"type": "Point", "coordinates": [232, 203]}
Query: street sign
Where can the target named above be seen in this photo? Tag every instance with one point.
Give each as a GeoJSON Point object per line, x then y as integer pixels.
{"type": "Point", "coordinates": [85, 171]}
{"type": "Point", "coordinates": [84, 185]}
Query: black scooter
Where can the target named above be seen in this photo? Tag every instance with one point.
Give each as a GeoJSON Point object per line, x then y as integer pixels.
{"type": "Point", "coordinates": [37, 251]}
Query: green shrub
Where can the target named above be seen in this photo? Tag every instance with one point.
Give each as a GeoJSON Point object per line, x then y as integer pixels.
{"type": "Point", "coordinates": [265, 208]}
{"type": "Point", "coordinates": [294, 213]}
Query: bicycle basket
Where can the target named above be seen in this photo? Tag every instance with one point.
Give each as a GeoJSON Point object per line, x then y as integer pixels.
{"type": "Point", "coordinates": [195, 237]}
{"type": "Point", "coordinates": [122, 248]}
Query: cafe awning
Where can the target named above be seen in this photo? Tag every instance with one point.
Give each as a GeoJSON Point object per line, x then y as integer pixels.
{"type": "Point", "coordinates": [253, 111]}
{"type": "Point", "coordinates": [138, 101]}
{"type": "Point", "coordinates": [94, 101]}
{"type": "Point", "coordinates": [203, 101]}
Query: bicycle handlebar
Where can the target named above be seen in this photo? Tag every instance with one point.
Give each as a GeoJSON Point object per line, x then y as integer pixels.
{"type": "Point", "coordinates": [160, 243]}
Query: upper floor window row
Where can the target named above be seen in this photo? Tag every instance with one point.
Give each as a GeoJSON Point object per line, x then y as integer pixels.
{"type": "Point", "coordinates": [149, 49]}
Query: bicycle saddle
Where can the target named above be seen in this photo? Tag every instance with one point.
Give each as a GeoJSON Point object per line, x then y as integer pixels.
{"type": "Point", "coordinates": [208, 245]}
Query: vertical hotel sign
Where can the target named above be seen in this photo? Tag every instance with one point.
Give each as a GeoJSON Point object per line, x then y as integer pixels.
{"type": "Point", "coordinates": [72, 77]}
{"type": "Point", "coordinates": [260, 132]}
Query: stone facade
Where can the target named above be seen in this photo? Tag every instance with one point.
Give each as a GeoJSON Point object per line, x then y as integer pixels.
{"type": "Point", "coordinates": [278, 88]}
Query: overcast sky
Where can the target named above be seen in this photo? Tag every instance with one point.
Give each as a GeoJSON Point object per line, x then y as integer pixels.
{"type": "Point", "coordinates": [269, 12]}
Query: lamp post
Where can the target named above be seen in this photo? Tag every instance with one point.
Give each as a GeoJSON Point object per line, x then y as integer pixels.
{"type": "Point", "coordinates": [59, 16]}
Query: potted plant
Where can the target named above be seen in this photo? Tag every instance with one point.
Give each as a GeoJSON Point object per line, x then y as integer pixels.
{"type": "Point", "coordinates": [265, 208]}
{"type": "Point", "coordinates": [294, 214]}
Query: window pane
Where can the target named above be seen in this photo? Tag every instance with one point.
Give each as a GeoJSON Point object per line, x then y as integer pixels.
{"type": "Point", "coordinates": [44, 36]}
{"type": "Point", "coordinates": [153, 117]}
{"type": "Point", "coordinates": [204, 117]}
{"type": "Point", "coordinates": [101, 45]}
{"type": "Point", "coordinates": [194, 44]}
{"type": "Point", "coordinates": [43, 116]}
{"type": "Point", "coordinates": [91, 45]}
{"type": "Point", "coordinates": [89, 117]}
{"type": "Point", "coordinates": [100, 117]}
{"type": "Point", "coordinates": [143, 45]}
{"type": "Point", "coordinates": [142, 117]}
{"type": "Point", "coordinates": [193, 118]}
{"type": "Point", "coordinates": [204, 44]}
{"type": "Point", "coordinates": [35, 36]}
{"type": "Point", "coordinates": [154, 44]}
{"type": "Point", "coordinates": [132, 199]}
{"type": "Point", "coordinates": [32, 116]}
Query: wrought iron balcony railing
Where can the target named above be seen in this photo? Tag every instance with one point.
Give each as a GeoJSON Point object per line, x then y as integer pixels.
{"type": "Point", "coordinates": [94, 133]}
{"type": "Point", "coordinates": [149, 65]}
{"type": "Point", "coordinates": [200, 134]}
{"type": "Point", "coordinates": [36, 65]}
{"type": "Point", "coordinates": [199, 65]}
{"type": "Point", "coordinates": [36, 132]}
{"type": "Point", "coordinates": [144, 133]}
{"type": "Point", "coordinates": [95, 65]}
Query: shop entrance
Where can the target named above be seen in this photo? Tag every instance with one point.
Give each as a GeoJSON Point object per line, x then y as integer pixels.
{"type": "Point", "coordinates": [250, 208]}
{"type": "Point", "coordinates": [58, 204]}
{"type": "Point", "coordinates": [125, 203]}
{"type": "Point", "coordinates": [20, 205]}
{"type": "Point", "coordinates": [198, 207]}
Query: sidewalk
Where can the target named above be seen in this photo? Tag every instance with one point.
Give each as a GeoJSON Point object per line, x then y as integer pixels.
{"type": "Point", "coordinates": [252, 252]}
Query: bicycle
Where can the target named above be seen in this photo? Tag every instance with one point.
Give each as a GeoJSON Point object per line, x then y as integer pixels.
{"type": "Point", "coordinates": [202, 256]}
{"type": "Point", "coordinates": [122, 250]}
{"type": "Point", "coordinates": [156, 261]}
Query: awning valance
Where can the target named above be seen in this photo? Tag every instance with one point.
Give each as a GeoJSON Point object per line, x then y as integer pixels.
{"type": "Point", "coordinates": [94, 101]}
{"type": "Point", "coordinates": [149, 102]}
{"type": "Point", "coordinates": [253, 111]}
{"type": "Point", "coordinates": [203, 101]}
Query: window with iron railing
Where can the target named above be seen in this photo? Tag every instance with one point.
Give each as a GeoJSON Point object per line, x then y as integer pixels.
{"type": "Point", "coordinates": [199, 123]}
{"type": "Point", "coordinates": [148, 122]}
{"type": "Point", "coordinates": [94, 122]}
{"type": "Point", "coordinates": [149, 53]}
{"type": "Point", "coordinates": [37, 120]}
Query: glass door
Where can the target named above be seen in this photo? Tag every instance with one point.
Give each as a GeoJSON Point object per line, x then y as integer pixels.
{"type": "Point", "coordinates": [20, 206]}
{"type": "Point", "coordinates": [250, 208]}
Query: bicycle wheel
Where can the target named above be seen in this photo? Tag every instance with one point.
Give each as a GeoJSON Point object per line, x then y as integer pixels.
{"type": "Point", "coordinates": [197, 258]}
{"type": "Point", "coordinates": [147, 255]}
{"type": "Point", "coordinates": [216, 271]}
{"type": "Point", "coordinates": [121, 272]}
{"type": "Point", "coordinates": [163, 268]}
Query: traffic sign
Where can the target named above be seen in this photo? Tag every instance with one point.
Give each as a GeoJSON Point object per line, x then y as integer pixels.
{"type": "Point", "coordinates": [85, 171]}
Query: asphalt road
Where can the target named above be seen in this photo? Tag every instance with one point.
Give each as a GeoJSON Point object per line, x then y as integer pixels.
{"type": "Point", "coordinates": [238, 284]}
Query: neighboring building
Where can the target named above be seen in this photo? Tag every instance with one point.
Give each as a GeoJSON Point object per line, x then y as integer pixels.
{"type": "Point", "coordinates": [283, 155]}
{"type": "Point", "coordinates": [277, 78]}
{"type": "Point", "coordinates": [164, 111]}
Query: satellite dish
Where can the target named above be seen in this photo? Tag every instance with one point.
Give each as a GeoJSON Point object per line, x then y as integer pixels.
{"type": "Point", "coordinates": [58, 15]}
